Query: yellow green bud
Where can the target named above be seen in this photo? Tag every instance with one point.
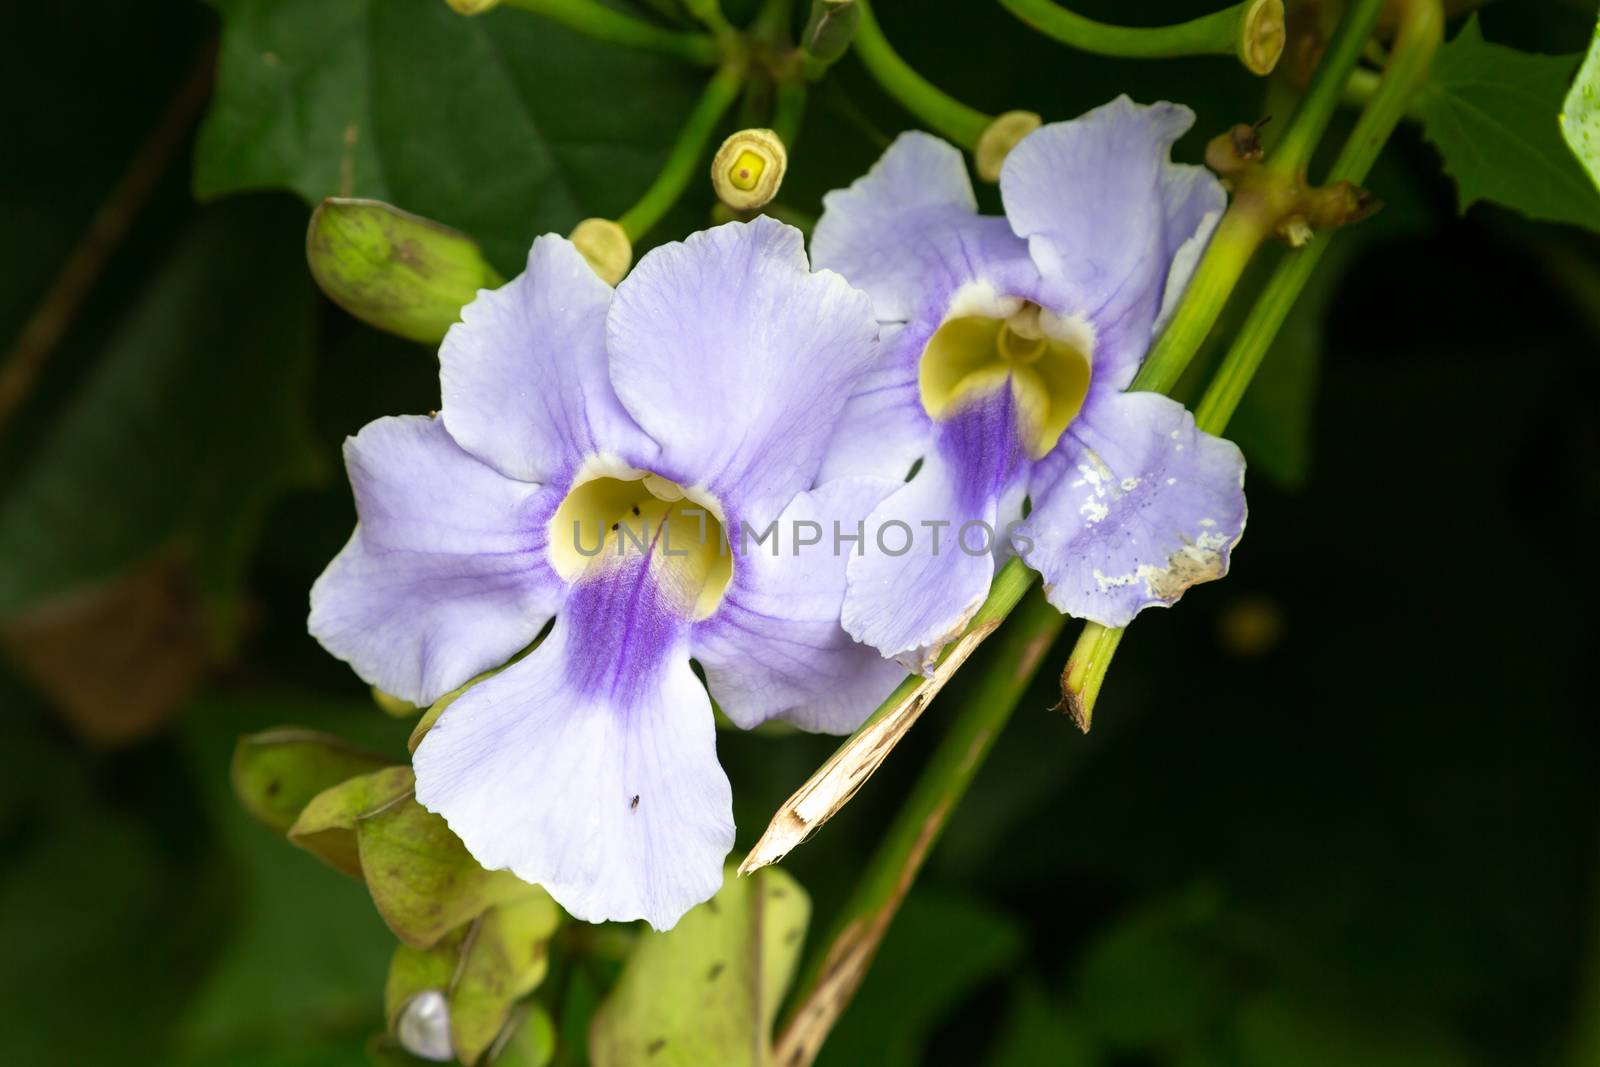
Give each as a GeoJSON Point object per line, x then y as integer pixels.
{"type": "Point", "coordinates": [395, 270]}
{"type": "Point", "coordinates": [1261, 36]}
{"type": "Point", "coordinates": [828, 31]}
{"type": "Point", "coordinates": [748, 169]}
{"type": "Point", "coordinates": [606, 247]}
{"type": "Point", "coordinates": [1000, 138]}
{"type": "Point", "coordinates": [472, 7]}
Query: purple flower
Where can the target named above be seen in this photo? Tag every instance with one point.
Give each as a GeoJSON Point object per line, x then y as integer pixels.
{"type": "Point", "coordinates": [593, 452]}
{"type": "Point", "coordinates": [1007, 343]}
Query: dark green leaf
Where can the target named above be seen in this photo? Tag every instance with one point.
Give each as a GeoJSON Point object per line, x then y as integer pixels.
{"type": "Point", "coordinates": [1492, 112]}
{"type": "Point", "coordinates": [1041, 1031]}
{"type": "Point", "coordinates": [191, 422]}
{"type": "Point", "coordinates": [299, 972]}
{"type": "Point", "coordinates": [940, 948]}
{"type": "Point", "coordinates": [504, 125]}
{"type": "Point", "coordinates": [1159, 980]}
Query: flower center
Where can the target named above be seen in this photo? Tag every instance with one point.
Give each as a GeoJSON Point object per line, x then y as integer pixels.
{"type": "Point", "coordinates": [635, 515]}
{"type": "Point", "coordinates": [746, 170]}
{"type": "Point", "coordinates": [972, 355]}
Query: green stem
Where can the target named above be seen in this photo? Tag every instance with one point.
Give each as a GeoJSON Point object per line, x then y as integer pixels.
{"type": "Point", "coordinates": [687, 152]}
{"type": "Point", "coordinates": [1246, 224]}
{"type": "Point", "coordinates": [836, 966]}
{"type": "Point", "coordinates": [1234, 31]}
{"type": "Point", "coordinates": [940, 111]}
{"type": "Point", "coordinates": [1292, 154]}
{"type": "Point", "coordinates": [709, 12]}
{"type": "Point", "coordinates": [1005, 591]}
{"type": "Point", "coordinates": [788, 110]}
{"type": "Point", "coordinates": [612, 26]}
{"type": "Point", "coordinates": [1233, 244]}
{"type": "Point", "coordinates": [1086, 671]}
{"type": "Point", "coordinates": [1421, 29]}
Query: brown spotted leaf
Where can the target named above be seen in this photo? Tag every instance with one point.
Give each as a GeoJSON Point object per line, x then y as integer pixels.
{"type": "Point", "coordinates": [707, 991]}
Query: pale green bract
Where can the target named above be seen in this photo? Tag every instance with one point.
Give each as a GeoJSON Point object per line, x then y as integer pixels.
{"type": "Point", "coordinates": [1580, 114]}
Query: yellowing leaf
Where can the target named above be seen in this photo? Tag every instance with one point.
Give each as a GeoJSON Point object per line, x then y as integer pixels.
{"type": "Point", "coordinates": [503, 958]}
{"type": "Point", "coordinates": [707, 991]}
{"type": "Point", "coordinates": [278, 772]}
{"type": "Point", "coordinates": [420, 875]}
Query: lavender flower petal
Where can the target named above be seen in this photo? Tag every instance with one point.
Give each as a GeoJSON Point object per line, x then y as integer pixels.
{"type": "Point", "coordinates": [733, 355]}
{"type": "Point", "coordinates": [589, 767]}
{"type": "Point", "coordinates": [1110, 220]}
{"type": "Point", "coordinates": [775, 648]}
{"type": "Point", "coordinates": [910, 604]}
{"type": "Point", "coordinates": [445, 575]}
{"type": "Point", "coordinates": [523, 375]}
{"type": "Point", "coordinates": [1136, 506]}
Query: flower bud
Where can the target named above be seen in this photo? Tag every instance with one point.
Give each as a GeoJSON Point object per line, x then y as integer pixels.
{"type": "Point", "coordinates": [423, 1028]}
{"type": "Point", "coordinates": [472, 7]}
{"type": "Point", "coordinates": [748, 169]}
{"type": "Point", "coordinates": [606, 247]}
{"type": "Point", "coordinates": [1261, 36]}
{"type": "Point", "coordinates": [390, 704]}
{"type": "Point", "coordinates": [397, 271]}
{"type": "Point", "coordinates": [1000, 138]}
{"type": "Point", "coordinates": [829, 29]}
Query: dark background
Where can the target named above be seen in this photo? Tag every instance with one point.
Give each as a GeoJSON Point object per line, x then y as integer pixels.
{"type": "Point", "coordinates": [1339, 809]}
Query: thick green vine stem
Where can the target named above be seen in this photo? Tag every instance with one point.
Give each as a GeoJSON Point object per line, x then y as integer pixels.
{"type": "Point", "coordinates": [683, 164]}
{"type": "Point", "coordinates": [1420, 31]}
{"type": "Point", "coordinates": [1252, 30]}
{"type": "Point", "coordinates": [944, 114]}
{"type": "Point", "coordinates": [835, 969]}
{"type": "Point", "coordinates": [1245, 224]}
{"type": "Point", "coordinates": [607, 24]}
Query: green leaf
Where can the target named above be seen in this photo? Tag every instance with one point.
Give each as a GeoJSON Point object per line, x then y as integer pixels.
{"type": "Point", "coordinates": [707, 991]}
{"type": "Point", "coordinates": [417, 970]}
{"type": "Point", "coordinates": [297, 971]}
{"type": "Point", "coordinates": [1580, 114]}
{"type": "Point", "coordinates": [278, 772]}
{"type": "Point", "coordinates": [326, 826]}
{"type": "Point", "coordinates": [504, 958]}
{"type": "Point", "coordinates": [191, 422]}
{"type": "Point", "coordinates": [1159, 980]}
{"type": "Point", "coordinates": [940, 948]}
{"type": "Point", "coordinates": [421, 877]}
{"type": "Point", "coordinates": [529, 1041]}
{"type": "Point", "coordinates": [1492, 112]}
{"type": "Point", "coordinates": [1039, 1030]}
{"type": "Point", "coordinates": [504, 126]}
{"type": "Point", "coordinates": [394, 270]}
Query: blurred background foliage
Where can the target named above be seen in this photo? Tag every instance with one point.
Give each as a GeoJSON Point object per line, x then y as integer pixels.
{"type": "Point", "coordinates": [1339, 809]}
